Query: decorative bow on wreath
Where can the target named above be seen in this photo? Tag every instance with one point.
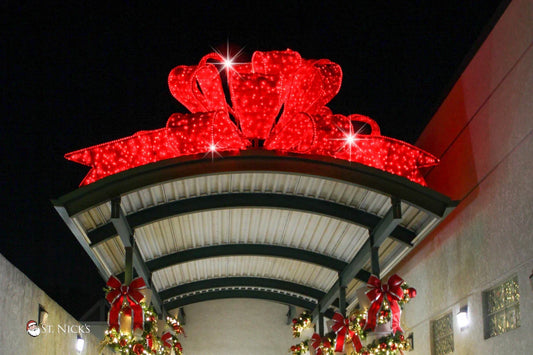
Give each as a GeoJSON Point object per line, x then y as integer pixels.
{"type": "Point", "coordinates": [342, 329]}
{"type": "Point", "coordinates": [317, 344]}
{"type": "Point", "coordinates": [120, 294]}
{"type": "Point", "coordinates": [138, 349]}
{"type": "Point", "coordinates": [166, 339]}
{"type": "Point", "coordinates": [149, 341]}
{"type": "Point", "coordinates": [377, 293]}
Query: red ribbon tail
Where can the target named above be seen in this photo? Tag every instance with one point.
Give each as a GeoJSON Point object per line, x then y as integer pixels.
{"type": "Point", "coordinates": [113, 317]}
{"type": "Point", "coordinates": [138, 317]}
{"type": "Point", "coordinates": [357, 343]}
{"type": "Point", "coordinates": [341, 336]}
{"type": "Point", "coordinates": [396, 314]}
{"type": "Point", "coordinates": [372, 314]}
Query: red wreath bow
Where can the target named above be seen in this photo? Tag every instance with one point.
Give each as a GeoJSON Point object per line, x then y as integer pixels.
{"type": "Point", "coordinates": [341, 326]}
{"type": "Point", "coordinates": [178, 329]}
{"type": "Point", "coordinates": [376, 293]}
{"type": "Point", "coordinates": [138, 349]}
{"type": "Point", "coordinates": [178, 346]}
{"type": "Point", "coordinates": [125, 293]}
{"type": "Point", "coordinates": [150, 341]}
{"type": "Point", "coordinates": [318, 344]}
{"type": "Point", "coordinates": [166, 338]}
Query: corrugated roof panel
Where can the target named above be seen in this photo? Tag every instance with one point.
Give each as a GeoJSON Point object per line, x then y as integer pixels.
{"type": "Point", "coordinates": [260, 266]}
{"type": "Point", "coordinates": [336, 191]}
{"type": "Point", "coordinates": [251, 225]}
{"type": "Point", "coordinates": [112, 254]}
{"type": "Point", "coordinates": [95, 217]}
{"type": "Point", "coordinates": [330, 190]}
{"type": "Point", "coordinates": [413, 218]}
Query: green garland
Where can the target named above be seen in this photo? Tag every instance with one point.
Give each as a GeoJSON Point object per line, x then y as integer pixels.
{"type": "Point", "coordinates": [302, 322]}
{"type": "Point", "coordinates": [388, 345]}
{"type": "Point", "coordinates": [128, 344]}
{"type": "Point", "coordinates": [300, 349]}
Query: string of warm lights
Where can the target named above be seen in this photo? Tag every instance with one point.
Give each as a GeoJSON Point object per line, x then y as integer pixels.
{"type": "Point", "coordinates": [134, 328]}
{"type": "Point", "coordinates": [353, 336]}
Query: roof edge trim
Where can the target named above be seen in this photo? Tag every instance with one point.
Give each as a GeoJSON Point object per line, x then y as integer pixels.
{"type": "Point", "coordinates": [255, 161]}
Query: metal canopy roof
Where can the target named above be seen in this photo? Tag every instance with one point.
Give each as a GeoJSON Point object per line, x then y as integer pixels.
{"type": "Point", "coordinates": [292, 229]}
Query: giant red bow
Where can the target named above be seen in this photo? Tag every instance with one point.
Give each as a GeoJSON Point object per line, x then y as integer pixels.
{"type": "Point", "coordinates": [278, 98]}
{"type": "Point", "coordinates": [125, 293]}
{"type": "Point", "coordinates": [318, 345]}
{"type": "Point", "coordinates": [376, 293]}
{"type": "Point", "coordinates": [341, 326]}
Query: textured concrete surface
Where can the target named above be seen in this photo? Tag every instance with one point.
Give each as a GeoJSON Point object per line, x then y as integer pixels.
{"type": "Point", "coordinates": [483, 134]}
{"type": "Point", "coordinates": [237, 327]}
{"type": "Point", "coordinates": [19, 303]}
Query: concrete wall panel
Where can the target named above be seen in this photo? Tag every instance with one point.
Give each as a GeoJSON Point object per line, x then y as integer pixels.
{"type": "Point", "coordinates": [19, 303]}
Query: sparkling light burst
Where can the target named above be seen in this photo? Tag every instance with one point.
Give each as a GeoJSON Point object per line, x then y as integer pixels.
{"type": "Point", "coordinates": [213, 150]}
{"type": "Point", "coordinates": [228, 61]}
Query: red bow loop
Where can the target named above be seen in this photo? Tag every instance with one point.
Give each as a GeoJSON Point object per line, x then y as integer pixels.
{"type": "Point", "coordinates": [395, 287]}
{"type": "Point", "coordinates": [114, 284]}
{"type": "Point", "coordinates": [317, 343]}
{"type": "Point", "coordinates": [166, 339]}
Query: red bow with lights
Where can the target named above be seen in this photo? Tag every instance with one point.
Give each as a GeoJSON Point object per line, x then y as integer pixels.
{"type": "Point", "coordinates": [318, 344]}
{"type": "Point", "coordinates": [376, 294]}
{"type": "Point", "coordinates": [166, 338]}
{"type": "Point", "coordinates": [341, 326]}
{"type": "Point", "coordinates": [178, 329]}
{"type": "Point", "coordinates": [150, 341]}
{"type": "Point", "coordinates": [137, 349]}
{"type": "Point", "coordinates": [119, 294]}
{"type": "Point", "coordinates": [178, 346]}
{"type": "Point", "coordinates": [278, 97]}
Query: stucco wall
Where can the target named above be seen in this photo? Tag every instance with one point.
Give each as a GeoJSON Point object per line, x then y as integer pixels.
{"type": "Point", "coordinates": [483, 135]}
{"type": "Point", "coordinates": [19, 303]}
{"type": "Point", "coordinates": [237, 327]}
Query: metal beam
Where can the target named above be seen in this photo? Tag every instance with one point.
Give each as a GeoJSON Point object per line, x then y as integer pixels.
{"type": "Point", "coordinates": [342, 300]}
{"type": "Point", "coordinates": [377, 236]}
{"type": "Point", "coordinates": [255, 161]}
{"type": "Point", "coordinates": [291, 313]}
{"type": "Point", "coordinates": [357, 263]}
{"type": "Point", "coordinates": [126, 236]}
{"type": "Point", "coordinates": [241, 281]}
{"type": "Point", "coordinates": [239, 293]}
{"type": "Point", "coordinates": [82, 238]}
{"type": "Point", "coordinates": [235, 200]}
{"type": "Point", "coordinates": [387, 224]}
{"type": "Point", "coordinates": [245, 249]}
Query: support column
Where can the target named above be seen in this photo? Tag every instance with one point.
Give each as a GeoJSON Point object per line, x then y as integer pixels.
{"type": "Point", "coordinates": [128, 271]}
{"type": "Point", "coordinates": [374, 257]}
{"type": "Point", "coordinates": [342, 300]}
{"type": "Point", "coordinates": [290, 314]}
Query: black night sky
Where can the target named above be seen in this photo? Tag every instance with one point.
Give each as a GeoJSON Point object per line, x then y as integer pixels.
{"type": "Point", "coordinates": [75, 74]}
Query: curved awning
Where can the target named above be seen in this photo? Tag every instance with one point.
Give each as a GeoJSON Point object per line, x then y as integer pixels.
{"type": "Point", "coordinates": [290, 228]}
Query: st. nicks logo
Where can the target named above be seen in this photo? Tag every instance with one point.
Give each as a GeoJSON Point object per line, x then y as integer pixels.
{"type": "Point", "coordinates": [34, 330]}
